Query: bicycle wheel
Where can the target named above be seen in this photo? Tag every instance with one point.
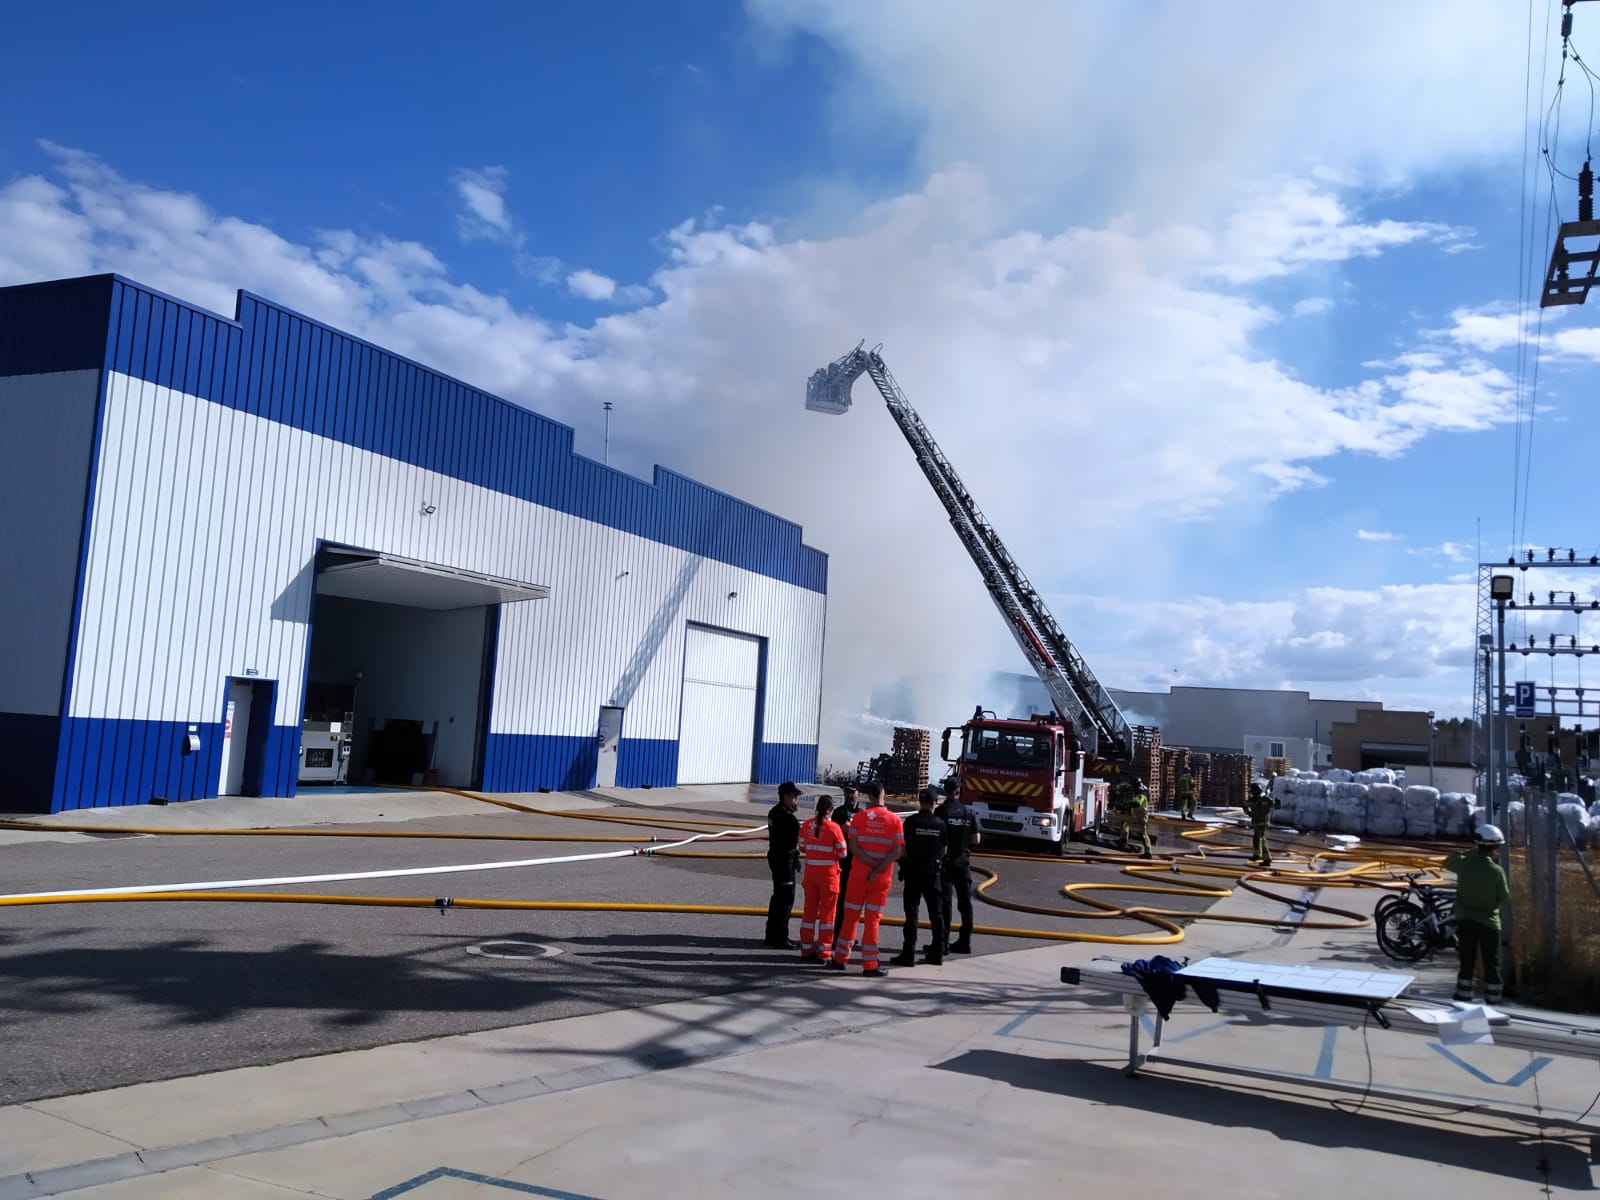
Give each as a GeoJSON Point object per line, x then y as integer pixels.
{"type": "Point", "coordinates": [1400, 932]}
{"type": "Point", "coordinates": [1385, 903]}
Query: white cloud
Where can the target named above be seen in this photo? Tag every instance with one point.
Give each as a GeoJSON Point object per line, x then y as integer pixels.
{"type": "Point", "coordinates": [1399, 640]}
{"type": "Point", "coordinates": [483, 214]}
{"type": "Point", "coordinates": [591, 285]}
{"type": "Point", "coordinates": [1455, 552]}
{"type": "Point", "coordinates": [1373, 535]}
{"type": "Point", "coordinates": [1312, 306]}
{"type": "Point", "coordinates": [1017, 346]}
{"type": "Point", "coordinates": [1577, 343]}
{"type": "Point", "coordinates": [1288, 224]}
{"type": "Point", "coordinates": [1486, 330]}
{"type": "Point", "coordinates": [1106, 109]}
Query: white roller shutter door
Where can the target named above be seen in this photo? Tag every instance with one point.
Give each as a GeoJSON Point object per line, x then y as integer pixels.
{"type": "Point", "coordinates": [721, 681]}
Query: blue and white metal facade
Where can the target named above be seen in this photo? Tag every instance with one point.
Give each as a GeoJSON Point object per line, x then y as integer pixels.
{"type": "Point", "coordinates": [169, 476]}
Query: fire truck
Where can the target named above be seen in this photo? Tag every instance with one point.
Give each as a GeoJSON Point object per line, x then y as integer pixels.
{"type": "Point", "coordinates": [1044, 778]}
{"type": "Point", "coordinates": [1028, 778]}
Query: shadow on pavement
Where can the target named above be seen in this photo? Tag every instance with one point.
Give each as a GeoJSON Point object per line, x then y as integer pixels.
{"type": "Point", "coordinates": [1314, 1124]}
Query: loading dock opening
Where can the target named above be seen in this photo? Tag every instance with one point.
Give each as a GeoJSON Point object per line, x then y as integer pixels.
{"type": "Point", "coordinates": [401, 659]}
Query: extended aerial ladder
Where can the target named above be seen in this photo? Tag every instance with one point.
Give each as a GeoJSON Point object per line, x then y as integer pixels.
{"type": "Point", "coordinates": [1102, 730]}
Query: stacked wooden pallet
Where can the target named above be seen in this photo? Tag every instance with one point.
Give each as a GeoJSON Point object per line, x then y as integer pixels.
{"type": "Point", "coordinates": [1277, 766]}
{"type": "Point", "coordinates": [1173, 761]}
{"type": "Point", "coordinates": [1147, 760]}
{"type": "Point", "coordinates": [1227, 780]}
{"type": "Point", "coordinates": [904, 770]}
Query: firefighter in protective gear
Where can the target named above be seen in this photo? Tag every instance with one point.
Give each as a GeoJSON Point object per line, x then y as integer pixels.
{"type": "Point", "coordinates": [849, 805]}
{"type": "Point", "coordinates": [961, 824]}
{"type": "Point", "coordinates": [783, 861]}
{"type": "Point", "coordinates": [923, 871]}
{"type": "Point", "coordinates": [877, 842]}
{"type": "Point", "coordinates": [1480, 892]}
{"type": "Point", "coordinates": [1186, 794]}
{"type": "Point", "coordinates": [821, 848]}
{"type": "Point", "coordinates": [1135, 819]}
{"type": "Point", "coordinates": [1259, 808]}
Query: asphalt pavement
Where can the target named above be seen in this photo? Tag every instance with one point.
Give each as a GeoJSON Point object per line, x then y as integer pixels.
{"type": "Point", "coordinates": [98, 995]}
{"type": "Point", "coordinates": [984, 1077]}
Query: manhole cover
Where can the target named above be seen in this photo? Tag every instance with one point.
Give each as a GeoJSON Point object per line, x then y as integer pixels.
{"type": "Point", "coordinates": [526, 950]}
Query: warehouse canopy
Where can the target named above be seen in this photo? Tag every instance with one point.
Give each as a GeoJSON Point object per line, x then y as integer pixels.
{"type": "Point", "coordinates": [390, 579]}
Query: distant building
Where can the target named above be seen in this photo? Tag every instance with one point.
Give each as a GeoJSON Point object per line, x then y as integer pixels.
{"type": "Point", "coordinates": [1313, 734]}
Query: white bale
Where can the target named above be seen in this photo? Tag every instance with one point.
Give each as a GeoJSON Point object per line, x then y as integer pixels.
{"type": "Point", "coordinates": [1347, 808]}
{"type": "Point", "coordinates": [1422, 811]}
{"type": "Point", "coordinates": [1594, 811]}
{"type": "Point", "coordinates": [1517, 812]}
{"type": "Point", "coordinates": [1310, 804]}
{"type": "Point", "coordinates": [1454, 816]}
{"type": "Point", "coordinates": [1337, 775]}
{"type": "Point", "coordinates": [1283, 793]}
{"type": "Point", "coordinates": [1386, 816]}
{"type": "Point", "coordinates": [1576, 820]}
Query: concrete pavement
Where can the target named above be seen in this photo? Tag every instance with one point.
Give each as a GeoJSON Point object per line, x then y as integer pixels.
{"type": "Point", "coordinates": [983, 1076]}
{"type": "Point", "coordinates": [355, 805]}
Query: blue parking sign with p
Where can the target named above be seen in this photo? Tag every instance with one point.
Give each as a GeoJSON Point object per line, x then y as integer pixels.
{"type": "Point", "coordinates": [1524, 698]}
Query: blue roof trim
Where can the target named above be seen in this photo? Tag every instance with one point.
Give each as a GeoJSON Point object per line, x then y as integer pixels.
{"type": "Point", "coordinates": [285, 367]}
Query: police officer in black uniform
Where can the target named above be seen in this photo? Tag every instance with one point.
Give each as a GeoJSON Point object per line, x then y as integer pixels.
{"type": "Point", "coordinates": [961, 826]}
{"type": "Point", "coordinates": [783, 860]}
{"type": "Point", "coordinates": [923, 868]}
{"type": "Point", "coordinates": [849, 806]}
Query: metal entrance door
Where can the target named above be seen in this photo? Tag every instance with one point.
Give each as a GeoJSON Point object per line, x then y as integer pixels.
{"type": "Point", "coordinates": [609, 739]}
{"type": "Point", "coordinates": [235, 724]}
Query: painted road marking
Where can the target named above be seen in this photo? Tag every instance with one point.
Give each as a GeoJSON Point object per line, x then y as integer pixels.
{"type": "Point", "coordinates": [524, 1189]}
{"type": "Point", "coordinates": [1517, 1080]}
{"type": "Point", "coordinates": [1009, 1029]}
{"type": "Point", "coordinates": [1330, 1034]}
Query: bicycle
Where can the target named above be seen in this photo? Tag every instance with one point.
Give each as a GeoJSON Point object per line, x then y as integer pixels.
{"type": "Point", "coordinates": [1417, 923]}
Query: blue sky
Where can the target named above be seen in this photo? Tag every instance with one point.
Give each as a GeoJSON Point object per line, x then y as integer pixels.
{"type": "Point", "coordinates": [1216, 312]}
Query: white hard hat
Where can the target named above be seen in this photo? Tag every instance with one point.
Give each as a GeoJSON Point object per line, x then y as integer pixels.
{"type": "Point", "coordinates": [1489, 835]}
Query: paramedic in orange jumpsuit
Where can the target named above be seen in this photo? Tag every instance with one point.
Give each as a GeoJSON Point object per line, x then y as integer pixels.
{"type": "Point", "coordinates": [821, 848]}
{"type": "Point", "coordinates": [877, 842]}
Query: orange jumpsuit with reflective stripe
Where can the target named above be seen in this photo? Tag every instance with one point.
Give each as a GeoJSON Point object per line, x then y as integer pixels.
{"type": "Point", "coordinates": [821, 848]}
{"type": "Point", "coordinates": [879, 835]}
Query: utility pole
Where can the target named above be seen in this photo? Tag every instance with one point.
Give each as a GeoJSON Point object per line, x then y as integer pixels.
{"type": "Point", "coordinates": [1500, 590]}
{"type": "Point", "coordinates": [606, 453]}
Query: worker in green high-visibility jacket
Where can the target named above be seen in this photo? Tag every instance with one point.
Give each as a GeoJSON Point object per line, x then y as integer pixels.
{"type": "Point", "coordinates": [1136, 820]}
{"type": "Point", "coordinates": [1481, 891]}
{"type": "Point", "coordinates": [1186, 794]}
{"type": "Point", "coordinates": [1259, 807]}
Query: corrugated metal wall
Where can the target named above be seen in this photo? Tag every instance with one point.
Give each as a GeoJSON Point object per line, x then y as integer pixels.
{"type": "Point", "coordinates": [47, 425]}
{"type": "Point", "coordinates": [52, 348]}
{"type": "Point", "coordinates": [229, 450]}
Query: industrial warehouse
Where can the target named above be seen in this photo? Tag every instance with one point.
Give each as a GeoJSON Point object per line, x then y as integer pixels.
{"type": "Point", "coordinates": [262, 553]}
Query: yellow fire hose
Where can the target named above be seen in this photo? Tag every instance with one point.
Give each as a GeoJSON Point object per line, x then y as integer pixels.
{"type": "Point", "coordinates": [1180, 874]}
